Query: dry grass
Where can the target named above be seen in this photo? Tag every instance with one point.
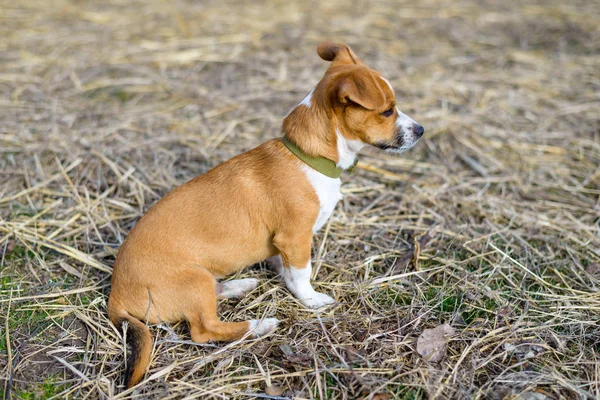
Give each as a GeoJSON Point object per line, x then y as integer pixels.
{"type": "Point", "coordinates": [105, 108]}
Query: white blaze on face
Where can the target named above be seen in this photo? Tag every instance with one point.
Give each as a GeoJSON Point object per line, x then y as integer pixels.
{"type": "Point", "coordinates": [405, 126]}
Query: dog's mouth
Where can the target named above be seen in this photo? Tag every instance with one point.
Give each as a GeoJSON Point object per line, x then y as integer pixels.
{"type": "Point", "coordinates": [387, 146]}
{"type": "Point", "coordinates": [399, 144]}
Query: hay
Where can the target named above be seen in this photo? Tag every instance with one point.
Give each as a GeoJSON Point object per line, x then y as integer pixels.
{"type": "Point", "coordinates": [491, 224]}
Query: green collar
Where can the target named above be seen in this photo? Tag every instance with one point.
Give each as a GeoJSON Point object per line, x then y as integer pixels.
{"type": "Point", "coordinates": [324, 165]}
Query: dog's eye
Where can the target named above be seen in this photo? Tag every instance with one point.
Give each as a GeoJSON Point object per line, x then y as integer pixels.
{"type": "Point", "coordinates": [387, 113]}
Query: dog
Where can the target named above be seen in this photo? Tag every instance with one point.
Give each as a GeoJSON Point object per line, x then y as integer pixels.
{"type": "Point", "coordinates": [264, 204]}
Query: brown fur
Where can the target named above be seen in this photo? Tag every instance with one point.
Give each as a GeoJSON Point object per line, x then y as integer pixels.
{"type": "Point", "coordinates": [245, 210]}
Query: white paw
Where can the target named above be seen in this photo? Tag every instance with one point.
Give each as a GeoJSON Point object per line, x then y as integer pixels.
{"type": "Point", "coordinates": [237, 288]}
{"type": "Point", "coordinates": [247, 284]}
{"type": "Point", "coordinates": [264, 326]}
{"type": "Point", "coordinates": [317, 300]}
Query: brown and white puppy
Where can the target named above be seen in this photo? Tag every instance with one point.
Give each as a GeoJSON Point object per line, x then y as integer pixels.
{"type": "Point", "coordinates": [262, 204]}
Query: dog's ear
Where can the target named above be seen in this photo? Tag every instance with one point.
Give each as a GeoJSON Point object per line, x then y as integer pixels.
{"type": "Point", "coordinates": [361, 89]}
{"type": "Point", "coordinates": [338, 53]}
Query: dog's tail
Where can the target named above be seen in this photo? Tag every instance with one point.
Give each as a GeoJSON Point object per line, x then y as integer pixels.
{"type": "Point", "coordinates": [138, 335]}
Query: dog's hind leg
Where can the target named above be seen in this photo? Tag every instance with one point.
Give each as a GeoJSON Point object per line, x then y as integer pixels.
{"type": "Point", "coordinates": [201, 313]}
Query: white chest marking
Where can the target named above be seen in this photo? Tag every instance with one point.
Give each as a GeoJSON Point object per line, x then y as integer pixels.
{"type": "Point", "coordinates": [328, 191]}
{"type": "Point", "coordinates": [347, 150]}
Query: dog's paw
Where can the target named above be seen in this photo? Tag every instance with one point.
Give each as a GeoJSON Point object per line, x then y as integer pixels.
{"type": "Point", "coordinates": [236, 288]}
{"type": "Point", "coordinates": [317, 300]}
{"type": "Point", "coordinates": [262, 327]}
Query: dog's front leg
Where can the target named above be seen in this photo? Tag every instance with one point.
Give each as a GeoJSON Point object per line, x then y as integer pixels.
{"type": "Point", "coordinates": [297, 280]}
{"type": "Point", "coordinates": [297, 268]}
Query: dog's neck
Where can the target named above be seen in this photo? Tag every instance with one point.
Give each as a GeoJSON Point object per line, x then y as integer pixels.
{"type": "Point", "coordinates": [347, 150]}
{"type": "Point", "coordinates": [312, 129]}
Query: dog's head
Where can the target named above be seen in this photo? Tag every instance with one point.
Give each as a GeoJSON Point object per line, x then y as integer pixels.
{"type": "Point", "coordinates": [364, 102]}
{"type": "Point", "coordinates": [352, 106]}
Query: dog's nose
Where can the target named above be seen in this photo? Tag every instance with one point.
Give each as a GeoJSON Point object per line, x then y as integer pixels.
{"type": "Point", "coordinates": [418, 130]}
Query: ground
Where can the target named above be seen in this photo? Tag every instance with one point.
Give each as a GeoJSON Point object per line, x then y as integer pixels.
{"type": "Point", "coordinates": [490, 224]}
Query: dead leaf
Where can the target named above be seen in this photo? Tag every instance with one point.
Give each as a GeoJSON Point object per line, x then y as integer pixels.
{"type": "Point", "coordinates": [506, 393]}
{"type": "Point", "coordinates": [532, 396]}
{"type": "Point", "coordinates": [593, 269]}
{"type": "Point", "coordinates": [431, 345]}
{"type": "Point", "coordinates": [381, 396]}
{"type": "Point", "coordinates": [524, 350]}
{"type": "Point", "coordinates": [286, 349]}
{"type": "Point", "coordinates": [71, 270]}
{"type": "Point", "coordinates": [9, 247]}
{"type": "Point", "coordinates": [419, 241]}
{"type": "Point", "coordinates": [299, 359]}
{"type": "Point", "coordinates": [353, 354]}
{"type": "Point", "coordinates": [274, 390]}
{"type": "Point", "coordinates": [291, 358]}
{"type": "Point", "coordinates": [504, 311]}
